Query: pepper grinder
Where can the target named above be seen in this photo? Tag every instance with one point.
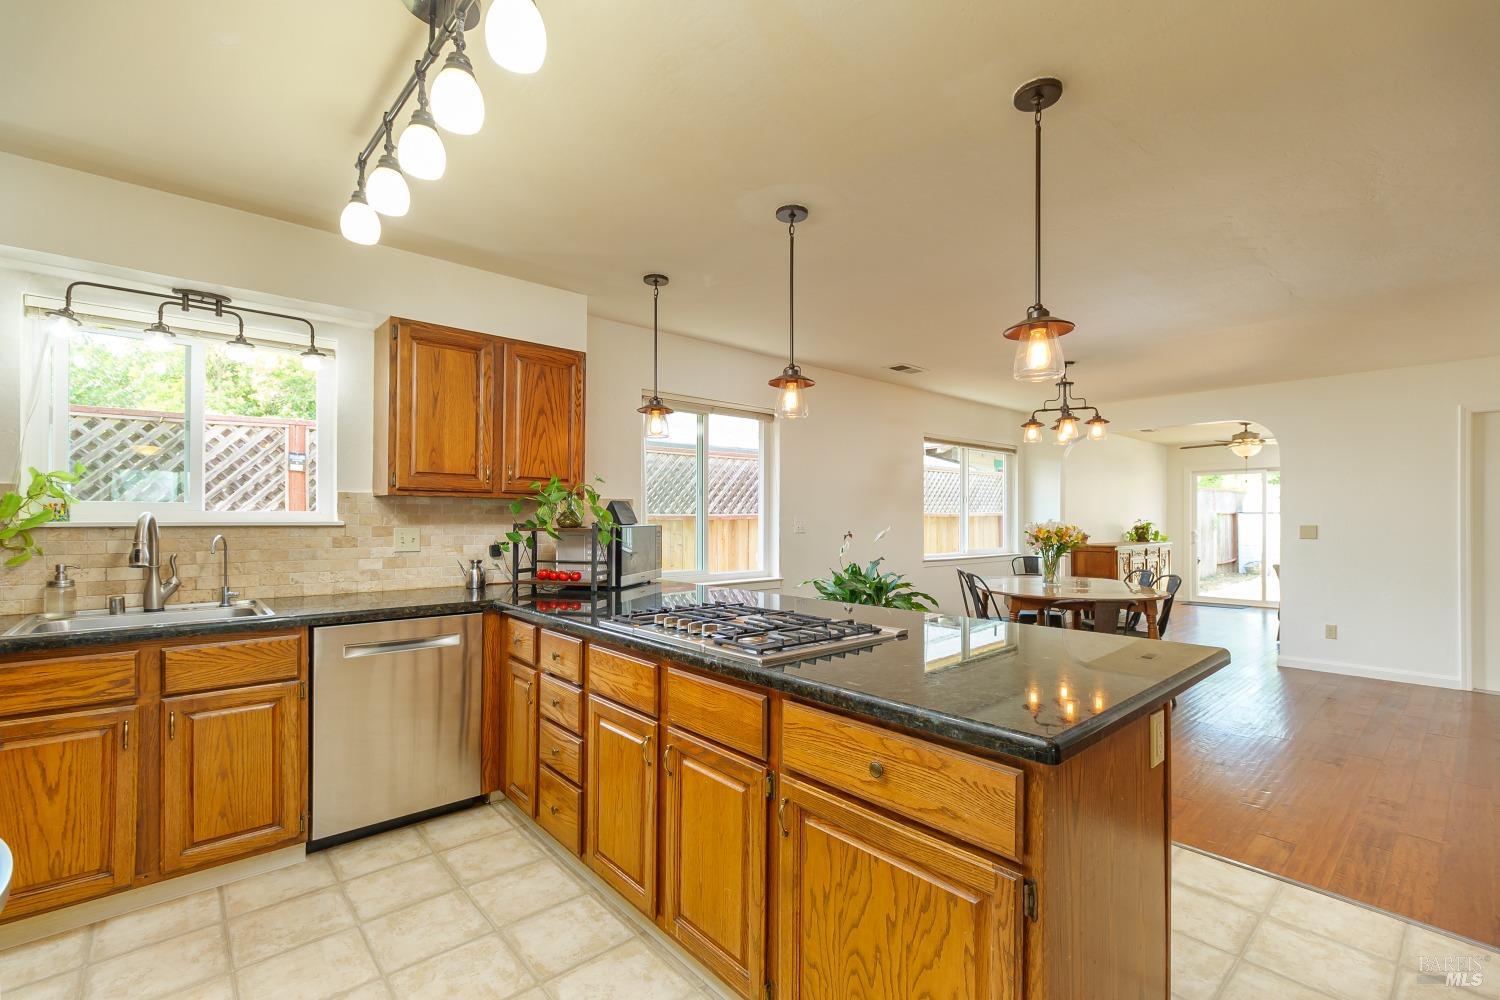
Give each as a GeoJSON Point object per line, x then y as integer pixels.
{"type": "Point", "coordinates": [60, 599]}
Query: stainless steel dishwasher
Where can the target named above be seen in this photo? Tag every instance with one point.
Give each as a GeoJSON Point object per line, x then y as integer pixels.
{"type": "Point", "coordinates": [395, 720]}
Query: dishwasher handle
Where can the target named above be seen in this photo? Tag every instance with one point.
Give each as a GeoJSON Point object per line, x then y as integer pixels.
{"type": "Point", "coordinates": [357, 649]}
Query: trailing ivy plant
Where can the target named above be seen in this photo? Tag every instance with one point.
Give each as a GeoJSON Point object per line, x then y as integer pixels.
{"type": "Point", "coordinates": [22, 512]}
{"type": "Point", "coordinates": [556, 504]}
{"type": "Point", "coordinates": [867, 584]}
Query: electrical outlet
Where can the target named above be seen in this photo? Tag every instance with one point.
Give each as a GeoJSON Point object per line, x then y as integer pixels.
{"type": "Point", "coordinates": [408, 539]}
{"type": "Point", "coordinates": [1158, 737]}
{"type": "Point", "coordinates": [1307, 532]}
{"type": "Point", "coordinates": [799, 527]}
{"type": "Point", "coordinates": [1330, 631]}
{"type": "Point", "coordinates": [496, 551]}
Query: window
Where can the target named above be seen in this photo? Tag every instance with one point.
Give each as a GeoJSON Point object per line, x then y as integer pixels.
{"type": "Point", "coordinates": [188, 432]}
{"type": "Point", "coordinates": [967, 496]}
{"type": "Point", "coordinates": [706, 487]}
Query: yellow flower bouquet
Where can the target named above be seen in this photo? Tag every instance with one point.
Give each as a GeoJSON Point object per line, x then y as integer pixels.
{"type": "Point", "coordinates": [1052, 540]}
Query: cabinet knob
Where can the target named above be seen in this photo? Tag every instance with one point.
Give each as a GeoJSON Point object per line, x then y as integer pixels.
{"type": "Point", "coordinates": [877, 769]}
{"type": "Point", "coordinates": [552, 810]}
{"type": "Point", "coordinates": [556, 655]}
{"type": "Point", "coordinates": [554, 751]}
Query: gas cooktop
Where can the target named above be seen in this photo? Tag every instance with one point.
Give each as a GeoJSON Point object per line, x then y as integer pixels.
{"type": "Point", "coordinates": [755, 634]}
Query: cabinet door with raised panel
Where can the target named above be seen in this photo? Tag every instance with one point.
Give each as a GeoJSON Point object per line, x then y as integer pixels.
{"type": "Point", "coordinates": [443, 409]}
{"type": "Point", "coordinates": [233, 768]}
{"type": "Point", "coordinates": [620, 789]}
{"type": "Point", "coordinates": [870, 907]}
{"type": "Point", "coordinates": [68, 805]}
{"type": "Point", "coordinates": [543, 399]}
{"type": "Point", "coordinates": [714, 875]}
{"type": "Point", "coordinates": [520, 736]}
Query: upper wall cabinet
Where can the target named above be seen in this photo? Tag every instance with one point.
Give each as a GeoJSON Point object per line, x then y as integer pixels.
{"type": "Point", "coordinates": [465, 414]}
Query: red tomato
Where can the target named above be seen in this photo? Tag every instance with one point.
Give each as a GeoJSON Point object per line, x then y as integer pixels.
{"type": "Point", "coordinates": [575, 576]}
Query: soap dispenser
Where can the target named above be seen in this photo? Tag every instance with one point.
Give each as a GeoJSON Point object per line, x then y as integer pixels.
{"type": "Point", "coordinates": [61, 597]}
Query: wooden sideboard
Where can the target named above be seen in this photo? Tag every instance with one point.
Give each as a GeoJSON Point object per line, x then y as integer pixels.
{"type": "Point", "coordinates": [1114, 560]}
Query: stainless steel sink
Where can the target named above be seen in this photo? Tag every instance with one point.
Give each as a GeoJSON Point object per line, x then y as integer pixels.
{"type": "Point", "coordinates": [172, 614]}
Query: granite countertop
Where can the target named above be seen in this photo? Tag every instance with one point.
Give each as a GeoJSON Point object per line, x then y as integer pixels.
{"type": "Point", "coordinates": [991, 685]}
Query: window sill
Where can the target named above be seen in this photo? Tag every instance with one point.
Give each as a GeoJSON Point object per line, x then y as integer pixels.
{"type": "Point", "coordinates": [166, 521]}
{"type": "Point", "coordinates": [721, 581]}
{"type": "Point", "coordinates": [969, 558]}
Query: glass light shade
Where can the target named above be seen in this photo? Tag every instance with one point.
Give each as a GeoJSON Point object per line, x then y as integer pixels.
{"type": "Point", "coordinates": [386, 189]}
{"type": "Point", "coordinates": [1031, 431]}
{"type": "Point", "coordinates": [1039, 356]}
{"type": "Point", "coordinates": [359, 223]}
{"type": "Point", "coordinates": [1067, 429]}
{"type": "Point", "coordinates": [239, 349]}
{"type": "Point", "coordinates": [159, 337]}
{"type": "Point", "coordinates": [1247, 447]}
{"type": "Point", "coordinates": [457, 104]}
{"type": "Point", "coordinates": [312, 359]}
{"type": "Point", "coordinates": [1098, 429]}
{"type": "Point", "coordinates": [656, 423]}
{"type": "Point", "coordinates": [62, 324]}
{"type": "Point", "coordinates": [420, 148]}
{"type": "Point", "coordinates": [515, 35]}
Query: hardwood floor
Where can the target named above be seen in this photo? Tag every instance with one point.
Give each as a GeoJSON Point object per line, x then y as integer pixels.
{"type": "Point", "coordinates": [1384, 793]}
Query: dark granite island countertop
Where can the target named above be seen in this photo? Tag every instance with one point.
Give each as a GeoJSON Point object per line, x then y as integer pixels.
{"type": "Point", "coordinates": [1038, 693]}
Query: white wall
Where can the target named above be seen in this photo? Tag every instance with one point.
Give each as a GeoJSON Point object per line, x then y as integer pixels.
{"type": "Point", "coordinates": [854, 464]}
{"type": "Point", "coordinates": [1375, 460]}
{"type": "Point", "coordinates": [1108, 485]}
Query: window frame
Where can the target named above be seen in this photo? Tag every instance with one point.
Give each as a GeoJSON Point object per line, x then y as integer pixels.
{"type": "Point", "coordinates": [1010, 543]}
{"type": "Point", "coordinates": [702, 410]}
{"type": "Point", "coordinates": [48, 445]}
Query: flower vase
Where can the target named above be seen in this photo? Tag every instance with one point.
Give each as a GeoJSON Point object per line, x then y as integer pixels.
{"type": "Point", "coordinates": [1051, 567]}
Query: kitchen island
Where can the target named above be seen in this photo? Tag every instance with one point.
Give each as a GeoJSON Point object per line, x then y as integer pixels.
{"type": "Point", "coordinates": [976, 808]}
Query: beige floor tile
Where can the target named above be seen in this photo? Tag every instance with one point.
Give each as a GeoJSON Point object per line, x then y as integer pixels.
{"type": "Point", "coordinates": [360, 857]}
{"type": "Point", "coordinates": [482, 859]}
{"type": "Point", "coordinates": [566, 935]}
{"type": "Point", "coordinates": [324, 968]}
{"type": "Point", "coordinates": [1211, 919]}
{"type": "Point", "coordinates": [630, 972]}
{"type": "Point", "coordinates": [421, 931]}
{"type": "Point", "coordinates": [520, 893]}
{"type": "Point", "coordinates": [151, 924]}
{"type": "Point", "coordinates": [462, 827]}
{"type": "Point", "coordinates": [376, 990]}
{"type": "Point", "coordinates": [1197, 970]}
{"type": "Point", "coordinates": [162, 968]}
{"type": "Point", "coordinates": [273, 929]}
{"type": "Point", "coordinates": [1344, 922]}
{"type": "Point", "coordinates": [214, 989]}
{"type": "Point", "coordinates": [392, 888]}
{"type": "Point", "coordinates": [1427, 953]}
{"type": "Point", "coordinates": [43, 959]}
{"type": "Point", "coordinates": [481, 970]}
{"type": "Point", "coordinates": [263, 890]}
{"type": "Point", "coordinates": [68, 986]}
{"type": "Point", "coordinates": [1240, 886]}
{"type": "Point", "coordinates": [1248, 982]}
{"type": "Point", "coordinates": [1320, 963]}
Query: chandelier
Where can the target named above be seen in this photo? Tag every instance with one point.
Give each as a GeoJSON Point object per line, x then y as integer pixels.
{"type": "Point", "coordinates": [1069, 409]}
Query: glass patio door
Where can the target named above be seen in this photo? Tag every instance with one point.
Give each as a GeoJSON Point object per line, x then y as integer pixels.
{"type": "Point", "coordinates": [1237, 537]}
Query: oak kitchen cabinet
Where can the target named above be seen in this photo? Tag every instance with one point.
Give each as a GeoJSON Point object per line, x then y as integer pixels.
{"type": "Point", "coordinates": [123, 766]}
{"type": "Point", "coordinates": [459, 413]}
{"type": "Point", "coordinates": [520, 736]}
{"type": "Point", "coordinates": [620, 791]}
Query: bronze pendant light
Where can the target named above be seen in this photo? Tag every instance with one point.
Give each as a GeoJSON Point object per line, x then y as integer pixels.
{"type": "Point", "coordinates": [655, 410]}
{"type": "Point", "coordinates": [791, 404]}
{"type": "Point", "coordinates": [1070, 410]}
{"type": "Point", "coordinates": [1038, 354]}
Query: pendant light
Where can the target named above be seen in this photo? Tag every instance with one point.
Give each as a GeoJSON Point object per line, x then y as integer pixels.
{"type": "Point", "coordinates": [420, 148]}
{"type": "Point", "coordinates": [1070, 410]}
{"type": "Point", "coordinates": [457, 103]}
{"type": "Point", "coordinates": [159, 336]}
{"type": "Point", "coordinates": [359, 223]}
{"type": "Point", "coordinates": [1038, 354]}
{"type": "Point", "coordinates": [239, 349]}
{"type": "Point", "coordinates": [515, 35]}
{"type": "Point", "coordinates": [792, 403]}
{"type": "Point", "coordinates": [655, 410]}
{"type": "Point", "coordinates": [312, 358]}
{"type": "Point", "coordinates": [386, 189]}
{"type": "Point", "coordinates": [63, 323]}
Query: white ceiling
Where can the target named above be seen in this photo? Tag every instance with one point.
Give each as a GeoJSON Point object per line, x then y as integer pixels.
{"type": "Point", "coordinates": [1236, 193]}
{"type": "Point", "coordinates": [1182, 434]}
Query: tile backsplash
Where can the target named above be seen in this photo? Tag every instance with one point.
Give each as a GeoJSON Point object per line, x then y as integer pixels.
{"type": "Point", "coordinates": [271, 562]}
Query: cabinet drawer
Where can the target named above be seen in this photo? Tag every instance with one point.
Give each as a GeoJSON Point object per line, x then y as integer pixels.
{"type": "Point", "coordinates": [520, 641]}
{"type": "Point", "coordinates": [236, 663]}
{"type": "Point", "coordinates": [973, 799]}
{"type": "Point", "coordinates": [28, 686]}
{"type": "Point", "coordinates": [561, 656]}
{"type": "Point", "coordinates": [562, 703]}
{"type": "Point", "coordinates": [560, 803]}
{"type": "Point", "coordinates": [733, 716]}
{"type": "Point", "coordinates": [561, 751]}
{"type": "Point", "coordinates": [623, 679]}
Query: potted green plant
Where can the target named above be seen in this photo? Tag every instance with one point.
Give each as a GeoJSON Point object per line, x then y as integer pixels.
{"type": "Point", "coordinates": [559, 506]}
{"type": "Point", "coordinates": [45, 499]}
{"type": "Point", "coordinates": [856, 584]}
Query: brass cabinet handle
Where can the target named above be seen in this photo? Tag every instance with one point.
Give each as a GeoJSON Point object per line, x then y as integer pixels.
{"type": "Point", "coordinates": [557, 703]}
{"type": "Point", "coordinates": [554, 751]}
{"type": "Point", "coordinates": [877, 769]}
{"type": "Point", "coordinates": [647, 747]}
{"type": "Point", "coordinates": [552, 809]}
{"type": "Point", "coordinates": [781, 818]}
{"type": "Point", "coordinates": [171, 725]}
{"type": "Point", "coordinates": [126, 735]}
{"type": "Point", "coordinates": [556, 655]}
{"type": "Point", "coordinates": [666, 759]}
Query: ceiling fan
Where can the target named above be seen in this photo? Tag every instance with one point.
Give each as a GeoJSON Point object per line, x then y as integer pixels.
{"type": "Point", "coordinates": [1245, 443]}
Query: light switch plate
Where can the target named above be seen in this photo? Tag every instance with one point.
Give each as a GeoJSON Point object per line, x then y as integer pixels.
{"type": "Point", "coordinates": [1307, 532]}
{"type": "Point", "coordinates": [408, 539]}
{"type": "Point", "coordinates": [1330, 631]}
{"type": "Point", "coordinates": [1158, 737]}
{"type": "Point", "coordinates": [799, 527]}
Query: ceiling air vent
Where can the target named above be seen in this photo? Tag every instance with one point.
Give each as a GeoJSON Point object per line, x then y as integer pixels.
{"type": "Point", "coordinates": [904, 369]}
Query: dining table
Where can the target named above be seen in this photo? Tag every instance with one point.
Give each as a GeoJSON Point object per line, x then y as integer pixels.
{"type": "Point", "coordinates": [1035, 594]}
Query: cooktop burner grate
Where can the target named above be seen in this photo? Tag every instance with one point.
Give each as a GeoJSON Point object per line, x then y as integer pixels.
{"type": "Point", "coordinates": [762, 634]}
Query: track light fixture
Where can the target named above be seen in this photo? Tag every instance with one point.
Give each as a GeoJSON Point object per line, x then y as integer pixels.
{"type": "Point", "coordinates": [62, 323]}
{"type": "Point", "coordinates": [517, 40]}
